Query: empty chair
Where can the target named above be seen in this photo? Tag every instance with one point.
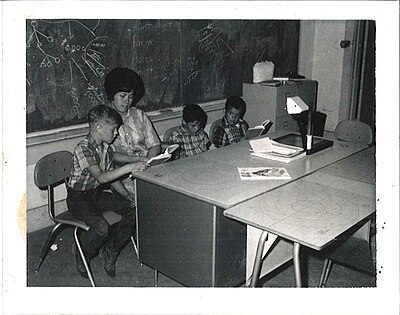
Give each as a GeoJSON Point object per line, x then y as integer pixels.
{"type": "Point", "coordinates": [353, 251]}
{"type": "Point", "coordinates": [354, 131]}
{"type": "Point", "coordinates": [51, 171]}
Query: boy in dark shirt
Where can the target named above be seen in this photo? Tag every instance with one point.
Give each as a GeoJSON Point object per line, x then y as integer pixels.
{"type": "Point", "coordinates": [92, 168]}
{"type": "Point", "coordinates": [232, 128]}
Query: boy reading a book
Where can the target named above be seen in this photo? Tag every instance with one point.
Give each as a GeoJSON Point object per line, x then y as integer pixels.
{"type": "Point", "coordinates": [92, 169]}
{"type": "Point", "coordinates": [232, 128]}
{"type": "Point", "coordinates": [191, 135]}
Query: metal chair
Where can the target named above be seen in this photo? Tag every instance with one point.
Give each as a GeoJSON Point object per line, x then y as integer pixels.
{"type": "Point", "coordinates": [51, 171]}
{"type": "Point", "coordinates": [354, 131]}
{"type": "Point", "coordinates": [355, 250]}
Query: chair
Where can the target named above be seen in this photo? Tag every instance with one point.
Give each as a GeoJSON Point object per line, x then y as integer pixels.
{"type": "Point", "coordinates": [354, 131]}
{"type": "Point", "coordinates": [51, 171]}
{"type": "Point", "coordinates": [167, 135]}
{"type": "Point", "coordinates": [355, 250]}
{"type": "Point", "coordinates": [214, 127]}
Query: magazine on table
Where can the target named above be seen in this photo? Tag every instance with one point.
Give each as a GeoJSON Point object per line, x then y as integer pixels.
{"type": "Point", "coordinates": [262, 173]}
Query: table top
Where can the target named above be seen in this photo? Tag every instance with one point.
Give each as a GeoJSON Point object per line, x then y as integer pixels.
{"type": "Point", "coordinates": [316, 209]}
{"type": "Point", "coordinates": [213, 176]}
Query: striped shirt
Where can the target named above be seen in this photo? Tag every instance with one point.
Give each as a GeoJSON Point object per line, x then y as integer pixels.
{"type": "Point", "coordinates": [190, 144]}
{"type": "Point", "coordinates": [88, 153]}
{"type": "Point", "coordinates": [226, 134]}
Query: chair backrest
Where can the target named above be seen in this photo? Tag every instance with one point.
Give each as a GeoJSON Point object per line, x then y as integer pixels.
{"type": "Point", "coordinates": [214, 127]}
{"type": "Point", "coordinates": [354, 131]}
{"type": "Point", "coordinates": [168, 133]}
{"type": "Point", "coordinates": [53, 168]}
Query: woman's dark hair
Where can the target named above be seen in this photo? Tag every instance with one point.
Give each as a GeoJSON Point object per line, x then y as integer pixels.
{"type": "Point", "coordinates": [124, 80]}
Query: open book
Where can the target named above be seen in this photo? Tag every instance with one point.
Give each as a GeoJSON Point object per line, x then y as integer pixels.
{"type": "Point", "coordinates": [270, 149]}
{"type": "Point", "coordinates": [258, 130]}
{"type": "Point", "coordinates": [163, 157]}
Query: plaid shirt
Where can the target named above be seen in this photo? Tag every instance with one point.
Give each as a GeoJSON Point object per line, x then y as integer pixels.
{"type": "Point", "coordinates": [226, 134]}
{"type": "Point", "coordinates": [88, 153]}
{"type": "Point", "coordinates": [137, 134]}
{"type": "Point", "coordinates": [190, 144]}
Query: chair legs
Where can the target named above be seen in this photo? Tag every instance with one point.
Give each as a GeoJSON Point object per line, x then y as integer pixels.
{"type": "Point", "coordinates": [78, 245]}
{"type": "Point", "coordinates": [47, 245]}
{"type": "Point", "coordinates": [325, 272]}
{"type": "Point", "coordinates": [135, 246]}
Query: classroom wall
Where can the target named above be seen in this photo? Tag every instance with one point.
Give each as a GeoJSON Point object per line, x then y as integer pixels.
{"type": "Point", "coordinates": [320, 58]}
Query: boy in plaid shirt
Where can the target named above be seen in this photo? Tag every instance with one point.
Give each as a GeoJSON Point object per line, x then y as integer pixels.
{"type": "Point", "coordinates": [191, 135]}
{"type": "Point", "coordinates": [232, 128]}
{"type": "Point", "coordinates": [92, 168]}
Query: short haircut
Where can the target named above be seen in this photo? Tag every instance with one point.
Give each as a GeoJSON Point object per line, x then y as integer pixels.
{"type": "Point", "coordinates": [236, 102]}
{"type": "Point", "coordinates": [105, 114]}
{"type": "Point", "coordinates": [124, 80]}
{"type": "Point", "coordinates": [193, 112]}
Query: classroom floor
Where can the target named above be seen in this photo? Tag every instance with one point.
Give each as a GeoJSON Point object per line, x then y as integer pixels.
{"type": "Point", "coordinates": [58, 269]}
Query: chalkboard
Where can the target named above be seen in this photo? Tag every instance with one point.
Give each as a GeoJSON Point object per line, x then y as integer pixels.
{"type": "Point", "coordinates": [180, 61]}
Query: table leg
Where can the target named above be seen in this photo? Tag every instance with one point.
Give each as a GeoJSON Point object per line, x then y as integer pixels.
{"type": "Point", "coordinates": [258, 259]}
{"type": "Point", "coordinates": [296, 262]}
{"type": "Point", "coordinates": [155, 277]}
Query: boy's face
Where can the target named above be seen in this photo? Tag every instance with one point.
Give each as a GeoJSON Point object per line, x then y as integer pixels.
{"type": "Point", "coordinates": [232, 116]}
{"type": "Point", "coordinates": [108, 132]}
{"type": "Point", "coordinates": [122, 101]}
{"type": "Point", "coordinates": [192, 127]}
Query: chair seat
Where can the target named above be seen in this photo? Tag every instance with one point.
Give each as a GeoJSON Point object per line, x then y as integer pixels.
{"type": "Point", "coordinates": [68, 218]}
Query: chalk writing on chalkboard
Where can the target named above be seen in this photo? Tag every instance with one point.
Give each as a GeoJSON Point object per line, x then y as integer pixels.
{"type": "Point", "coordinates": [180, 61]}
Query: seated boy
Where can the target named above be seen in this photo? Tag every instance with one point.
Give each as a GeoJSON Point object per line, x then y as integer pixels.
{"type": "Point", "coordinates": [232, 128]}
{"type": "Point", "coordinates": [92, 168]}
{"type": "Point", "coordinates": [191, 135]}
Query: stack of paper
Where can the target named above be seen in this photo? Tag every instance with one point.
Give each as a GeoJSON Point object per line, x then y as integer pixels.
{"type": "Point", "coordinates": [270, 149]}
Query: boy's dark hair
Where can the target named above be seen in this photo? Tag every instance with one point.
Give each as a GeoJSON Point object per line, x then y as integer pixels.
{"type": "Point", "coordinates": [105, 114]}
{"type": "Point", "coordinates": [236, 102]}
{"type": "Point", "coordinates": [193, 112]}
{"type": "Point", "coordinates": [124, 80]}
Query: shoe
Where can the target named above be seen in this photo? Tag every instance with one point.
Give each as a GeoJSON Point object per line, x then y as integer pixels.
{"type": "Point", "coordinates": [79, 264]}
{"type": "Point", "coordinates": [109, 261]}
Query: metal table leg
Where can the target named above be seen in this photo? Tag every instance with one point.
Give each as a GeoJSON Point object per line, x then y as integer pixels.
{"type": "Point", "coordinates": [155, 277]}
{"type": "Point", "coordinates": [296, 262]}
{"type": "Point", "coordinates": [258, 259]}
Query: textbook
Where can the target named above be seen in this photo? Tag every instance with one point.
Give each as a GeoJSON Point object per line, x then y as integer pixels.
{"type": "Point", "coordinates": [163, 157]}
{"type": "Point", "coordinates": [258, 130]}
{"type": "Point", "coordinates": [260, 173]}
{"type": "Point", "coordinates": [270, 149]}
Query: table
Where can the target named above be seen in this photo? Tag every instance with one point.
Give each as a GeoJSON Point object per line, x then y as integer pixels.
{"type": "Point", "coordinates": [182, 231]}
{"type": "Point", "coordinates": [311, 211]}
